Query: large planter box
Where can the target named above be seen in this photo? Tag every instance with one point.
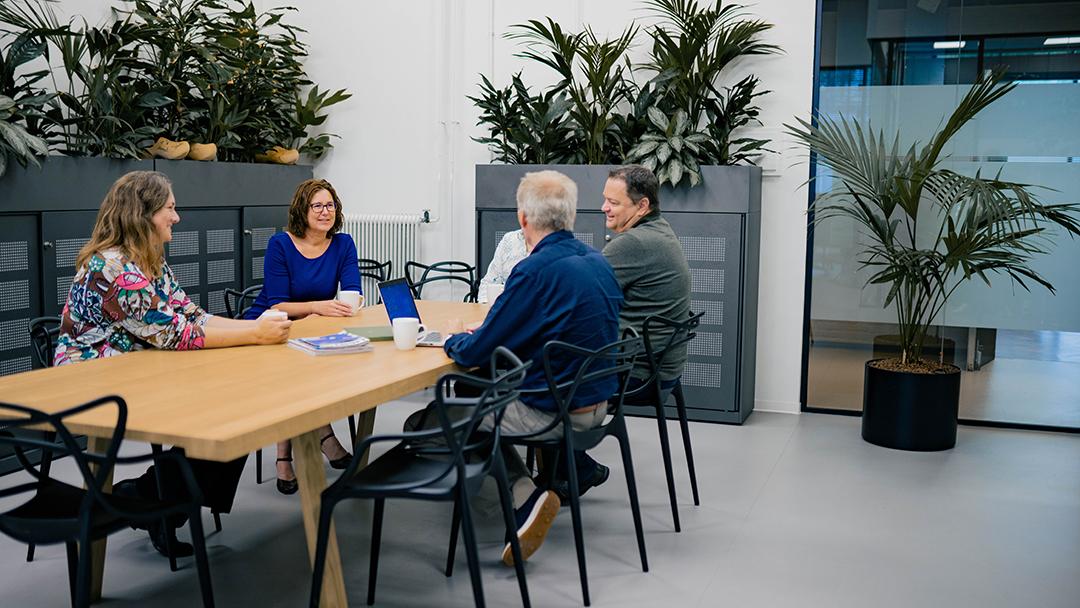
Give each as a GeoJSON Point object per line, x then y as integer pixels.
{"type": "Point", "coordinates": [227, 213]}
{"type": "Point", "coordinates": [719, 225]}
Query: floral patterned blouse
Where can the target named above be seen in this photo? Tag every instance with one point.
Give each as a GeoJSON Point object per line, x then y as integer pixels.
{"type": "Point", "coordinates": [114, 308]}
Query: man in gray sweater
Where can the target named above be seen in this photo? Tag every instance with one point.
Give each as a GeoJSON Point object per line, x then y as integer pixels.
{"type": "Point", "coordinates": [654, 276]}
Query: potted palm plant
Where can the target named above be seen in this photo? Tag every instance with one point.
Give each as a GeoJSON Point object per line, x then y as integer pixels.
{"type": "Point", "coordinates": [927, 230]}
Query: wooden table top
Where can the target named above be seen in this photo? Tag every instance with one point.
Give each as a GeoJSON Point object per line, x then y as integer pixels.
{"type": "Point", "coordinates": [219, 404]}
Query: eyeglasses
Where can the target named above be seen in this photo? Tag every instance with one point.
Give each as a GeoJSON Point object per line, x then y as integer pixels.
{"type": "Point", "coordinates": [320, 207]}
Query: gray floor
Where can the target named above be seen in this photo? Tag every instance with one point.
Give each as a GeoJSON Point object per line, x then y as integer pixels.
{"type": "Point", "coordinates": [796, 511]}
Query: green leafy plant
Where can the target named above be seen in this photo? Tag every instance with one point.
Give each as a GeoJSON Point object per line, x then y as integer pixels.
{"type": "Point", "coordinates": [525, 128]}
{"type": "Point", "coordinates": [22, 104]}
{"type": "Point", "coordinates": [672, 151]}
{"type": "Point", "coordinates": [929, 229]}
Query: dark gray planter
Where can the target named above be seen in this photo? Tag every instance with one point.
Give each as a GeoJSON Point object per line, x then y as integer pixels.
{"type": "Point", "coordinates": [719, 224]}
{"type": "Point", "coordinates": [908, 411]}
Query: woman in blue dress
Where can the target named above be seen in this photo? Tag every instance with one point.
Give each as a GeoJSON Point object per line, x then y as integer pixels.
{"type": "Point", "coordinates": [302, 270]}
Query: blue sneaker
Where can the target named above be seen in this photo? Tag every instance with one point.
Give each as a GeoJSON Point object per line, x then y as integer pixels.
{"type": "Point", "coordinates": [533, 519]}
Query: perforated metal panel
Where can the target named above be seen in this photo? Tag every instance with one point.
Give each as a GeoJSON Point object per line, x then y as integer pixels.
{"type": "Point", "coordinates": [220, 241]}
{"type": "Point", "coordinates": [260, 237]}
{"type": "Point", "coordinates": [14, 295]}
{"type": "Point", "coordinates": [714, 311]}
{"type": "Point", "coordinates": [67, 250]}
{"type": "Point", "coordinates": [63, 286]}
{"type": "Point", "coordinates": [196, 299]}
{"type": "Point", "coordinates": [187, 275]}
{"type": "Point", "coordinates": [14, 334]}
{"type": "Point", "coordinates": [499, 234]}
{"type": "Point", "coordinates": [184, 243]}
{"type": "Point", "coordinates": [13, 256]}
{"type": "Point", "coordinates": [705, 375]}
{"type": "Point", "coordinates": [220, 271]}
{"type": "Point", "coordinates": [215, 302]}
{"type": "Point", "coordinates": [584, 237]}
{"type": "Point", "coordinates": [16, 365]}
{"type": "Point", "coordinates": [704, 248]}
{"type": "Point", "coordinates": [707, 280]}
{"type": "Point", "coordinates": [707, 344]}
{"type": "Point", "coordinates": [257, 268]}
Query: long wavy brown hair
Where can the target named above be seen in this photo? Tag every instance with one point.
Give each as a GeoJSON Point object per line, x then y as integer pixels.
{"type": "Point", "coordinates": [125, 221]}
{"type": "Point", "coordinates": [301, 203]}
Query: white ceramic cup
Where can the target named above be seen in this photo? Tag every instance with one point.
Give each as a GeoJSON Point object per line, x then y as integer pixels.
{"type": "Point", "coordinates": [270, 313]}
{"type": "Point", "coordinates": [493, 292]}
{"type": "Point", "coordinates": [352, 298]}
{"type": "Point", "coordinates": [406, 331]}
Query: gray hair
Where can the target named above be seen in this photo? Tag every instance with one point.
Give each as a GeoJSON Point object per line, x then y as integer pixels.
{"type": "Point", "coordinates": [548, 199]}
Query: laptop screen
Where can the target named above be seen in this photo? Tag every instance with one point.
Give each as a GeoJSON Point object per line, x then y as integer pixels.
{"type": "Point", "coordinates": [398, 299]}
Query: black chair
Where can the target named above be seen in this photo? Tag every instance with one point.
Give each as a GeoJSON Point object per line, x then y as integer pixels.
{"type": "Point", "coordinates": [615, 359]}
{"type": "Point", "coordinates": [662, 336]}
{"type": "Point", "coordinates": [421, 467]}
{"type": "Point", "coordinates": [43, 334]}
{"type": "Point", "coordinates": [419, 275]}
{"type": "Point", "coordinates": [376, 271]}
{"type": "Point", "coordinates": [238, 302]}
{"type": "Point", "coordinates": [56, 512]}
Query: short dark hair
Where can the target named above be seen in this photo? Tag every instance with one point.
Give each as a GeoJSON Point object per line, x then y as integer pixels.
{"type": "Point", "coordinates": [640, 183]}
{"type": "Point", "coordinates": [301, 203]}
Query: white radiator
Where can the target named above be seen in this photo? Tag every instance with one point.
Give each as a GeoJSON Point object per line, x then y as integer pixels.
{"type": "Point", "coordinates": [391, 237]}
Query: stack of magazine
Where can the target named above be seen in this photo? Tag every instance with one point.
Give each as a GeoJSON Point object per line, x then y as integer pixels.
{"type": "Point", "coordinates": [341, 343]}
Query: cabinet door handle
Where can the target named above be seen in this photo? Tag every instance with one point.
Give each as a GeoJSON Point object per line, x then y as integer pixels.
{"type": "Point", "coordinates": [247, 232]}
{"type": "Point", "coordinates": [47, 244]}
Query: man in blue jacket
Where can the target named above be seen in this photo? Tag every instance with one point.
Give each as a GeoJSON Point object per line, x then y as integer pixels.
{"type": "Point", "coordinates": [564, 290]}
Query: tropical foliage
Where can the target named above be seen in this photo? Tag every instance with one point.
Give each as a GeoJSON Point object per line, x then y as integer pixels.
{"type": "Point", "coordinates": [207, 71]}
{"type": "Point", "coordinates": [928, 228]}
{"type": "Point", "coordinates": [604, 116]}
{"type": "Point", "coordinates": [22, 104]}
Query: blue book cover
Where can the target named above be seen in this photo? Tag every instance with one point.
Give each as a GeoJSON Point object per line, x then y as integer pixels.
{"type": "Point", "coordinates": [338, 340]}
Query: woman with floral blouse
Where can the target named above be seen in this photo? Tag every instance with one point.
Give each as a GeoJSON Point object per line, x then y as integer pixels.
{"type": "Point", "coordinates": [126, 298]}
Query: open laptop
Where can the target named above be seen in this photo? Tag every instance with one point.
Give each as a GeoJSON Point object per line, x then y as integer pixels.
{"type": "Point", "coordinates": [399, 302]}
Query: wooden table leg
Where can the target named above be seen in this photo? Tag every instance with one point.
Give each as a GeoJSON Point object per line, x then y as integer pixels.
{"type": "Point", "coordinates": [312, 479]}
{"type": "Point", "coordinates": [98, 445]}
{"type": "Point", "coordinates": [365, 425]}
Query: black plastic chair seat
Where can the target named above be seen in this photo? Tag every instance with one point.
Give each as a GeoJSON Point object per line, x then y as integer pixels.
{"type": "Point", "coordinates": [401, 467]}
{"type": "Point", "coordinates": [52, 514]}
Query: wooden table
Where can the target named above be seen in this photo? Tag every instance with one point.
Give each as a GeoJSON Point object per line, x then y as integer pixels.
{"type": "Point", "coordinates": [221, 404]}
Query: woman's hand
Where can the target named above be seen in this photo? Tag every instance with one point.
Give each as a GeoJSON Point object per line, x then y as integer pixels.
{"type": "Point", "coordinates": [331, 308]}
{"type": "Point", "coordinates": [271, 330]}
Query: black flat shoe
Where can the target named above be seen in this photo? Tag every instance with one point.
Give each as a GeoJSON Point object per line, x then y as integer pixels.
{"type": "Point", "coordinates": [158, 536]}
{"type": "Point", "coordinates": [287, 486]}
{"type": "Point", "coordinates": [561, 487]}
{"type": "Point", "coordinates": [337, 463]}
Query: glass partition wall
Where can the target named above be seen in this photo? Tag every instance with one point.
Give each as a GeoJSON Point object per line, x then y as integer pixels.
{"type": "Point", "coordinates": [902, 65]}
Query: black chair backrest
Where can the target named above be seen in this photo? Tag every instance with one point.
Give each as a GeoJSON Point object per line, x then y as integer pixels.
{"type": "Point", "coordinates": [16, 417]}
{"type": "Point", "coordinates": [462, 444]}
{"type": "Point", "coordinates": [238, 302]}
{"type": "Point", "coordinates": [43, 334]}
{"type": "Point", "coordinates": [614, 359]}
{"type": "Point", "coordinates": [418, 275]}
{"type": "Point", "coordinates": [375, 270]}
{"type": "Point", "coordinates": [662, 336]}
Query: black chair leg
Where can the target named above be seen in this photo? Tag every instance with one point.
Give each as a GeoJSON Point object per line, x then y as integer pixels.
{"type": "Point", "coordinates": [156, 449]}
{"type": "Point", "coordinates": [46, 465]}
{"type": "Point", "coordinates": [258, 466]}
{"type": "Point", "coordinates": [665, 449]}
{"type": "Point", "coordinates": [680, 404]}
{"type": "Point", "coordinates": [376, 540]}
{"type": "Point", "coordinates": [631, 488]}
{"type": "Point", "coordinates": [352, 430]}
{"type": "Point", "coordinates": [202, 563]}
{"type": "Point", "coordinates": [73, 566]}
{"type": "Point", "coordinates": [217, 521]}
{"type": "Point", "coordinates": [322, 541]}
{"type": "Point", "coordinates": [470, 549]}
{"type": "Point", "coordinates": [501, 479]}
{"type": "Point", "coordinates": [575, 513]}
{"type": "Point", "coordinates": [455, 527]}
{"type": "Point", "coordinates": [82, 574]}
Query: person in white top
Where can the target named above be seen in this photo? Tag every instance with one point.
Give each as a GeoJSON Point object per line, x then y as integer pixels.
{"type": "Point", "coordinates": [510, 250]}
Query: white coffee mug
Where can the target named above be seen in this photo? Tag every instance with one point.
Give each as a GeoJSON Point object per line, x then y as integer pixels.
{"type": "Point", "coordinates": [352, 298]}
{"type": "Point", "coordinates": [270, 313]}
{"type": "Point", "coordinates": [406, 331]}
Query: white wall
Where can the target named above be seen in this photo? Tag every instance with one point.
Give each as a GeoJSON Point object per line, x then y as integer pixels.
{"type": "Point", "coordinates": [406, 132]}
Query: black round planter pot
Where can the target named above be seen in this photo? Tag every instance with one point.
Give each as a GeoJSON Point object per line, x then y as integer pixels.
{"type": "Point", "coordinates": [908, 411]}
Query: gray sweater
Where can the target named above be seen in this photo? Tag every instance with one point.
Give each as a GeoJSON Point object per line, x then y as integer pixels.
{"type": "Point", "coordinates": [652, 271]}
